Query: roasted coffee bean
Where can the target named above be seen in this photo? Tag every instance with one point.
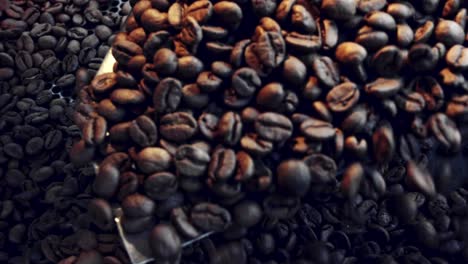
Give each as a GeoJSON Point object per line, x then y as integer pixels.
{"type": "Point", "coordinates": [445, 130]}
{"type": "Point", "coordinates": [343, 97]}
{"type": "Point", "coordinates": [189, 67]}
{"type": "Point", "coordinates": [161, 185]}
{"type": "Point", "coordinates": [317, 129]}
{"type": "Point", "coordinates": [222, 165]}
{"type": "Point", "coordinates": [210, 217]}
{"type": "Point", "coordinates": [229, 128]}
{"type": "Point", "coordinates": [420, 179]}
{"type": "Point", "coordinates": [143, 131]}
{"type": "Point", "coordinates": [326, 71]}
{"type": "Point", "coordinates": [153, 159]}
{"type": "Point", "coordinates": [449, 33]}
{"type": "Point", "coordinates": [352, 179]}
{"type": "Point", "coordinates": [339, 9]}
{"type": "Point", "coordinates": [137, 205]}
{"type": "Point", "coordinates": [383, 143]}
{"type": "Point", "coordinates": [274, 127]}
{"type": "Point", "coordinates": [321, 167]}
{"type": "Point", "coordinates": [167, 95]}
{"type": "Point", "coordinates": [457, 57]}
{"type": "Point", "coordinates": [178, 126]}
{"type": "Point", "coordinates": [101, 213]}
{"type": "Point", "coordinates": [280, 206]}
{"type": "Point", "coordinates": [383, 87]}
{"type": "Point", "coordinates": [271, 96]}
{"type": "Point", "coordinates": [191, 161]}
{"type": "Point", "coordinates": [267, 53]}
{"type": "Point", "coordinates": [293, 177]}
{"type": "Point", "coordinates": [245, 81]}
{"type": "Point", "coordinates": [165, 243]}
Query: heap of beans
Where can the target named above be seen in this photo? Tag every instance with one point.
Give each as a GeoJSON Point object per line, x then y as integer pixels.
{"type": "Point", "coordinates": [298, 131]}
{"type": "Point", "coordinates": [48, 49]}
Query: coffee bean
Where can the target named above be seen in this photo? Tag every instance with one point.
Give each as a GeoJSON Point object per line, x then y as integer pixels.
{"type": "Point", "coordinates": [271, 96]}
{"type": "Point", "coordinates": [273, 126]}
{"type": "Point", "coordinates": [245, 81]}
{"type": "Point", "coordinates": [143, 131]}
{"type": "Point", "coordinates": [294, 177]}
{"type": "Point", "coordinates": [280, 206]}
{"type": "Point", "coordinates": [153, 159]}
{"type": "Point", "coordinates": [101, 213]}
{"type": "Point", "coordinates": [167, 95]}
{"type": "Point", "coordinates": [445, 130]}
{"type": "Point", "coordinates": [383, 87]}
{"type": "Point", "coordinates": [178, 126]}
{"type": "Point", "coordinates": [339, 9]}
{"type": "Point", "coordinates": [419, 179]}
{"type": "Point", "coordinates": [449, 33]}
{"type": "Point", "coordinates": [161, 185]}
{"type": "Point", "coordinates": [210, 217]}
{"type": "Point", "coordinates": [165, 243]}
{"type": "Point", "coordinates": [191, 161]}
{"type": "Point", "coordinates": [222, 164]}
{"type": "Point", "coordinates": [352, 179]}
{"type": "Point", "coordinates": [317, 129]}
{"type": "Point", "coordinates": [137, 205]}
{"type": "Point", "coordinates": [229, 128]}
{"type": "Point", "coordinates": [321, 167]}
{"type": "Point", "coordinates": [326, 71]}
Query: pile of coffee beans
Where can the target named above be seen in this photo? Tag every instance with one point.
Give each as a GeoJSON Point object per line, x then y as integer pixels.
{"type": "Point", "coordinates": [48, 49]}
{"type": "Point", "coordinates": [323, 131]}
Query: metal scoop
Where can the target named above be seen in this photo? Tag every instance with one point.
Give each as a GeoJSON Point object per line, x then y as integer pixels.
{"type": "Point", "coordinates": [137, 245]}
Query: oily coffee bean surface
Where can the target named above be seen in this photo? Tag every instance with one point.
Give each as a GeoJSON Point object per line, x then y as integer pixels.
{"type": "Point", "coordinates": [328, 131]}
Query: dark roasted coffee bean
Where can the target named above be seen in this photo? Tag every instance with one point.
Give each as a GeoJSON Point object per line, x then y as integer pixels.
{"type": "Point", "coordinates": [271, 96]}
{"type": "Point", "coordinates": [160, 186]}
{"type": "Point", "coordinates": [266, 53]}
{"type": "Point", "coordinates": [274, 127]}
{"type": "Point", "coordinates": [178, 126]}
{"type": "Point", "coordinates": [281, 207]}
{"type": "Point", "coordinates": [343, 97]}
{"type": "Point", "coordinates": [165, 243]}
{"type": "Point", "coordinates": [457, 57]}
{"type": "Point", "coordinates": [322, 168]}
{"type": "Point", "coordinates": [420, 179]}
{"type": "Point", "coordinates": [101, 213]}
{"type": "Point", "coordinates": [317, 129]}
{"type": "Point", "coordinates": [222, 164]}
{"type": "Point", "coordinates": [293, 177]}
{"type": "Point", "coordinates": [127, 96]}
{"type": "Point", "coordinates": [229, 128]}
{"type": "Point", "coordinates": [189, 67]}
{"type": "Point", "coordinates": [191, 161]}
{"type": "Point", "coordinates": [326, 71]}
{"type": "Point", "coordinates": [245, 81]}
{"type": "Point", "coordinates": [352, 179]}
{"type": "Point", "coordinates": [384, 88]}
{"type": "Point", "coordinates": [445, 130]}
{"type": "Point", "coordinates": [137, 205]}
{"type": "Point", "coordinates": [383, 143]}
{"type": "Point", "coordinates": [143, 131]}
{"type": "Point", "coordinates": [388, 61]}
{"type": "Point", "coordinates": [153, 159]}
{"type": "Point", "coordinates": [449, 33]}
{"type": "Point", "coordinates": [167, 95]}
{"type": "Point", "coordinates": [255, 145]}
{"type": "Point", "coordinates": [210, 217]}
{"type": "Point", "coordinates": [339, 9]}
{"type": "Point", "coordinates": [107, 179]}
